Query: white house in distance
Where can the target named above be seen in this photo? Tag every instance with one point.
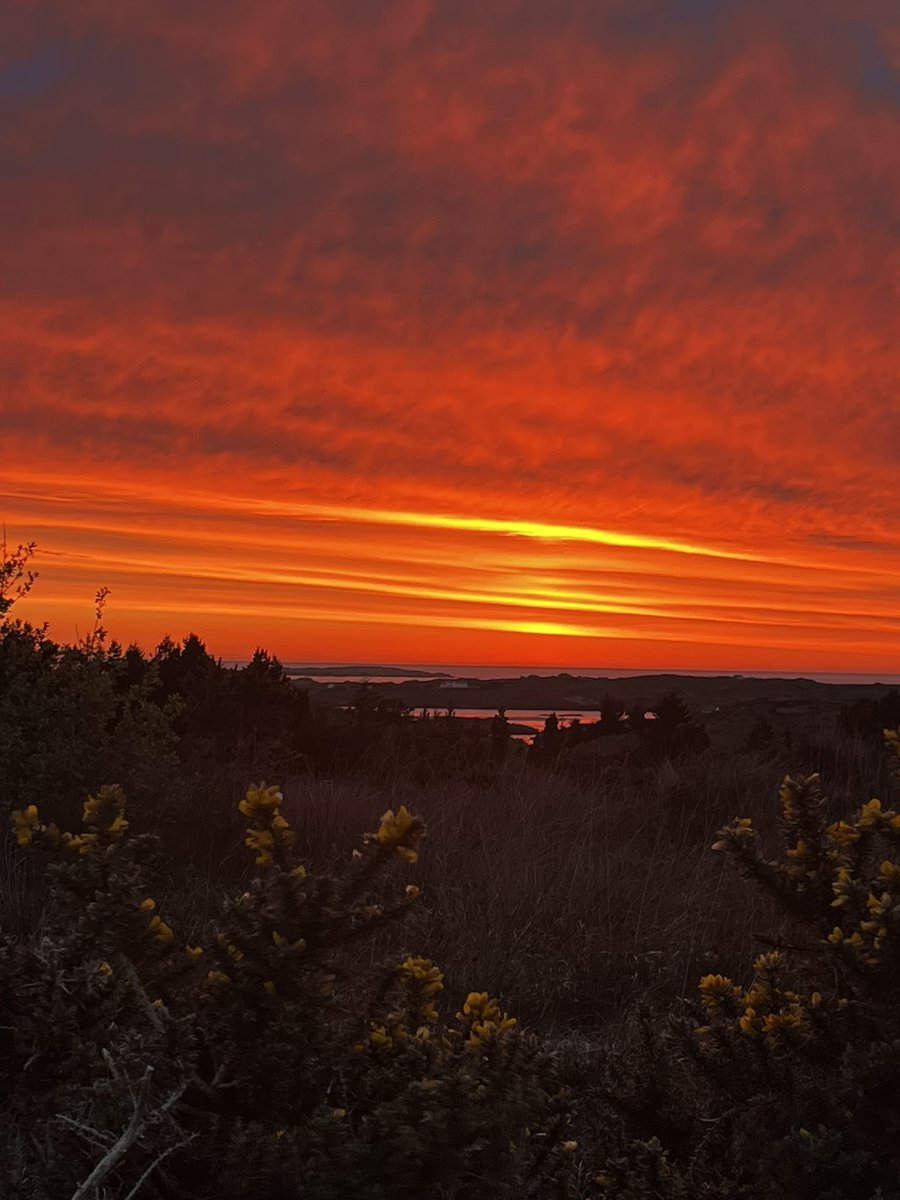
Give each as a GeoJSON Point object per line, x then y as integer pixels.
{"type": "Point", "coordinates": [454, 683]}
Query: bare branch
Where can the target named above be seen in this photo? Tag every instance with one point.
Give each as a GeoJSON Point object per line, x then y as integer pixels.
{"type": "Point", "coordinates": [124, 1143]}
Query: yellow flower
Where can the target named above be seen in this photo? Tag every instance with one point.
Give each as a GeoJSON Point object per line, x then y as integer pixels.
{"type": "Point", "coordinates": [118, 827]}
{"type": "Point", "coordinates": [83, 843]}
{"type": "Point", "coordinates": [479, 1004]}
{"type": "Point", "coordinates": [487, 1021]}
{"type": "Point", "coordinates": [714, 989]}
{"type": "Point", "coordinates": [379, 1038]}
{"type": "Point", "coordinates": [160, 930]}
{"type": "Point", "coordinates": [890, 872]}
{"type": "Point", "coordinates": [217, 978]}
{"type": "Point", "coordinates": [26, 824]}
{"type": "Point", "coordinates": [739, 833]}
{"type": "Point", "coordinates": [106, 811]}
{"type": "Point", "coordinates": [799, 851]}
{"type": "Point", "coordinates": [261, 801]}
{"type": "Point", "coordinates": [570, 1146]}
{"type": "Point", "coordinates": [229, 947]}
{"type": "Point", "coordinates": [148, 905]}
{"type": "Point", "coordinates": [400, 830]}
{"type": "Point", "coordinates": [269, 987]}
{"type": "Point", "coordinates": [394, 826]}
{"type": "Point", "coordinates": [193, 951]}
{"type": "Point", "coordinates": [746, 1022]}
{"type": "Point", "coordinates": [870, 814]}
{"type": "Point", "coordinates": [105, 968]}
{"type": "Point", "coordinates": [425, 972]}
{"type": "Point", "coordinates": [791, 1020]}
{"type": "Point", "coordinates": [843, 833]}
{"type": "Point", "coordinates": [262, 842]}
{"type": "Point", "coordinates": [259, 839]}
{"type": "Point", "coordinates": [769, 961]}
{"type": "Point", "coordinates": [412, 891]}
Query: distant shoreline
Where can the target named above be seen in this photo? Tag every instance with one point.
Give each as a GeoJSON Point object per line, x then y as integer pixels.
{"type": "Point", "coordinates": [444, 671]}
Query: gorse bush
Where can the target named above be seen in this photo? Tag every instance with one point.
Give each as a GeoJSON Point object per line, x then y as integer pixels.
{"type": "Point", "coordinates": [271, 1058]}
{"type": "Point", "coordinates": [790, 1084]}
{"type": "Point", "coordinates": [265, 1061]}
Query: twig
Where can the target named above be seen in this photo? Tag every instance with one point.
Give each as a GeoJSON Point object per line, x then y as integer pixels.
{"type": "Point", "coordinates": [99, 1139]}
{"type": "Point", "coordinates": [156, 1162]}
{"type": "Point", "coordinates": [121, 1147]}
{"type": "Point", "coordinates": [135, 980]}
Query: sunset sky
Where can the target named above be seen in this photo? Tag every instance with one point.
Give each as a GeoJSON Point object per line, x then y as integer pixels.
{"type": "Point", "coordinates": [539, 332]}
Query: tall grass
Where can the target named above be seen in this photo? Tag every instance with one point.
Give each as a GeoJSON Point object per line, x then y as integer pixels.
{"type": "Point", "coordinates": [567, 896]}
{"type": "Point", "coordinates": [567, 900]}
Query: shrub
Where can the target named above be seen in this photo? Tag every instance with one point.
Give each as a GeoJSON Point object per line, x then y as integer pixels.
{"type": "Point", "coordinates": [268, 1060]}
{"type": "Point", "coordinates": [791, 1084]}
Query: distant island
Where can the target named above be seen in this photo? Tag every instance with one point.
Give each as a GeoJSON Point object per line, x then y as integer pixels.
{"type": "Point", "coordinates": [369, 672]}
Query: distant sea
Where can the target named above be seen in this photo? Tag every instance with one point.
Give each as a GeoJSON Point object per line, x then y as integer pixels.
{"type": "Point", "coordinates": [465, 671]}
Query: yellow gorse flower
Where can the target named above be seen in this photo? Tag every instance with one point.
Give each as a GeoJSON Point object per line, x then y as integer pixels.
{"type": "Point", "coordinates": [270, 831]}
{"type": "Point", "coordinates": [26, 823]}
{"type": "Point", "coordinates": [425, 980]}
{"type": "Point", "coordinates": [714, 989]}
{"type": "Point", "coordinates": [871, 814]}
{"type": "Point", "coordinates": [82, 843]}
{"type": "Point", "coordinates": [261, 801]}
{"type": "Point", "coordinates": [162, 932]}
{"type": "Point", "coordinates": [394, 826]}
{"type": "Point", "coordinates": [105, 812]}
{"type": "Point", "coordinates": [738, 835]}
{"type": "Point", "coordinates": [402, 831]}
{"type": "Point", "coordinates": [486, 1021]}
{"type": "Point", "coordinates": [842, 833]}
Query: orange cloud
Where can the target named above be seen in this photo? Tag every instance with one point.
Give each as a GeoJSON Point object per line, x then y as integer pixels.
{"type": "Point", "coordinates": [525, 332]}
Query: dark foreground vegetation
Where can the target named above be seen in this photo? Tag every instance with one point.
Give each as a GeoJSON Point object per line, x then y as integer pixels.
{"type": "Point", "coordinates": [209, 990]}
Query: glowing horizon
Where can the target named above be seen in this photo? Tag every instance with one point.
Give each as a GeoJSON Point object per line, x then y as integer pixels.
{"type": "Point", "coordinates": [514, 334]}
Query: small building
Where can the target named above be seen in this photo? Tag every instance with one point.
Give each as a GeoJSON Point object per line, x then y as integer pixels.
{"type": "Point", "coordinates": [454, 683]}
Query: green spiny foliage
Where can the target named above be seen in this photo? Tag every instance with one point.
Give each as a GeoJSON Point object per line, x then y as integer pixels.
{"type": "Point", "coordinates": [788, 1085]}
{"type": "Point", "coordinates": [266, 1061]}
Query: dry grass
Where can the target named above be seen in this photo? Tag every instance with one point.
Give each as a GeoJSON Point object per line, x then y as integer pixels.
{"type": "Point", "coordinates": [566, 898]}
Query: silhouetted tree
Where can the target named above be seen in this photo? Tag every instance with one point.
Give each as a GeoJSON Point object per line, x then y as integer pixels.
{"type": "Point", "coordinates": [499, 736]}
{"type": "Point", "coordinates": [870, 717]}
{"type": "Point", "coordinates": [611, 712]}
{"type": "Point", "coordinates": [672, 733]}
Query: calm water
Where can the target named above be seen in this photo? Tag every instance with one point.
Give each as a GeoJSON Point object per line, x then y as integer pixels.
{"type": "Point", "coordinates": [534, 718]}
